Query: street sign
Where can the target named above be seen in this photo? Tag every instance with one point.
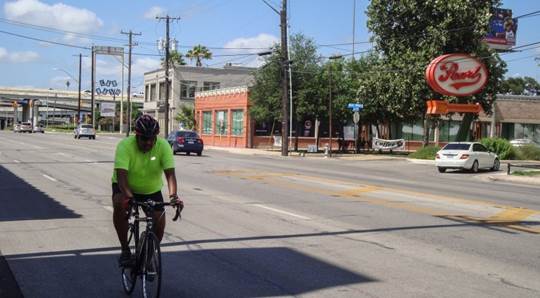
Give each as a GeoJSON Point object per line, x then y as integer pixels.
{"type": "Point", "coordinates": [114, 51]}
{"type": "Point", "coordinates": [355, 106]}
{"type": "Point", "coordinates": [356, 117]}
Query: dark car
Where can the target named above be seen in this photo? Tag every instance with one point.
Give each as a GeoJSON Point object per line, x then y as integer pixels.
{"type": "Point", "coordinates": [186, 141]}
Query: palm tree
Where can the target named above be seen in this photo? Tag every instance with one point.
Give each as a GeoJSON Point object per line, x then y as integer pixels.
{"type": "Point", "coordinates": [199, 52]}
{"type": "Point", "coordinates": [176, 58]}
{"type": "Point", "coordinates": [186, 116]}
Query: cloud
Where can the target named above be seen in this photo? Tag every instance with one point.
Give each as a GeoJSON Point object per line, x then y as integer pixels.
{"type": "Point", "coordinates": [113, 69]}
{"type": "Point", "coordinates": [17, 57]}
{"type": "Point", "coordinates": [143, 65]}
{"type": "Point", "coordinates": [59, 15]}
{"type": "Point", "coordinates": [260, 43]}
{"type": "Point", "coordinates": [154, 12]}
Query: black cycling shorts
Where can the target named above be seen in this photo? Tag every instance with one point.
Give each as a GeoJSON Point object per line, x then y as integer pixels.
{"type": "Point", "coordinates": [156, 197]}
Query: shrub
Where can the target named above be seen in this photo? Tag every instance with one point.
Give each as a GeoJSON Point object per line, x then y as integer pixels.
{"type": "Point", "coordinates": [500, 146]}
{"type": "Point", "coordinates": [427, 152]}
{"type": "Point", "coordinates": [528, 152]}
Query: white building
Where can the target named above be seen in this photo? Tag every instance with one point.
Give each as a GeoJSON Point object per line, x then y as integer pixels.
{"type": "Point", "coordinates": [185, 81]}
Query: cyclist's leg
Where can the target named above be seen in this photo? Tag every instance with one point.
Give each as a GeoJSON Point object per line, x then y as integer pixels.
{"type": "Point", "coordinates": [119, 216]}
{"type": "Point", "coordinates": [158, 216]}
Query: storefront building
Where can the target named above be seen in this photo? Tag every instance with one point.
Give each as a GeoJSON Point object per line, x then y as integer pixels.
{"type": "Point", "coordinates": [223, 120]}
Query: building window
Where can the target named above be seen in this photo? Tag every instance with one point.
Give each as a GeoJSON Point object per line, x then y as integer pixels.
{"type": "Point", "coordinates": [162, 91]}
{"type": "Point", "coordinates": [508, 131]}
{"type": "Point", "coordinates": [221, 123]}
{"type": "Point", "coordinates": [152, 92]}
{"type": "Point", "coordinates": [413, 131]}
{"type": "Point", "coordinates": [447, 130]}
{"type": "Point", "coordinates": [187, 89]}
{"type": "Point", "coordinates": [207, 123]}
{"type": "Point", "coordinates": [146, 93]}
{"type": "Point", "coordinates": [237, 122]}
{"type": "Point", "coordinates": [210, 86]}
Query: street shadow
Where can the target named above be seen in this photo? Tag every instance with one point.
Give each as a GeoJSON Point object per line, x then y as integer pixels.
{"type": "Point", "coordinates": [234, 272]}
{"type": "Point", "coordinates": [22, 201]}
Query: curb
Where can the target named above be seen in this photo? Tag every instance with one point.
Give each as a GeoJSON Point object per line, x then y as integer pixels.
{"type": "Point", "coordinates": [421, 161]}
{"type": "Point", "coordinates": [9, 288]}
{"type": "Point", "coordinates": [514, 179]}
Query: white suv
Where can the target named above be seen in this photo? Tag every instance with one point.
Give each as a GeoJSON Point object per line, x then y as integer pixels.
{"type": "Point", "coordinates": [466, 155]}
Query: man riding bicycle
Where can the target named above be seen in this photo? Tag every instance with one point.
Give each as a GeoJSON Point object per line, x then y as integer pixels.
{"type": "Point", "coordinates": [139, 163]}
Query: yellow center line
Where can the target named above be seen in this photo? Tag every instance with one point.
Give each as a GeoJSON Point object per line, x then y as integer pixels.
{"type": "Point", "coordinates": [510, 217]}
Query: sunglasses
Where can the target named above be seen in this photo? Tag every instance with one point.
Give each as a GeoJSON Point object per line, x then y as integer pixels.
{"type": "Point", "coordinates": [146, 139]}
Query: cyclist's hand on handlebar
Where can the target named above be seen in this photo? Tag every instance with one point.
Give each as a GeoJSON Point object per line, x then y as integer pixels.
{"type": "Point", "coordinates": [176, 201]}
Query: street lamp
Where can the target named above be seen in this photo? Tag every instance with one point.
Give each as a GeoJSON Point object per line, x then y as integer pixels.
{"type": "Point", "coordinates": [66, 72]}
{"type": "Point", "coordinates": [334, 57]}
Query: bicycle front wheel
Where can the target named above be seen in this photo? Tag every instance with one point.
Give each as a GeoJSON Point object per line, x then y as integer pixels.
{"type": "Point", "coordinates": [129, 273]}
{"type": "Point", "coordinates": [151, 267]}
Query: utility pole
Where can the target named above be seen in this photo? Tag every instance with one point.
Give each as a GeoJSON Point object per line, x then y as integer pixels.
{"type": "Point", "coordinates": [93, 86]}
{"type": "Point", "coordinates": [353, 27]}
{"type": "Point", "coordinates": [130, 45]}
{"type": "Point", "coordinates": [79, 96]}
{"type": "Point", "coordinates": [284, 81]}
{"type": "Point", "coordinates": [167, 57]}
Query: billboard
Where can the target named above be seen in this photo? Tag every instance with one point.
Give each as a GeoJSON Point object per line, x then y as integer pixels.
{"type": "Point", "coordinates": [107, 109]}
{"type": "Point", "coordinates": [502, 29]}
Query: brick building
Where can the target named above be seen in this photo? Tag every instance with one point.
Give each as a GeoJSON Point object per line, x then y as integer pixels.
{"type": "Point", "coordinates": [222, 117]}
{"type": "Point", "coordinates": [223, 120]}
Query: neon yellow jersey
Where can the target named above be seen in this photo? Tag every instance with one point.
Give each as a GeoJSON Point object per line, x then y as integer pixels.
{"type": "Point", "coordinates": [145, 170]}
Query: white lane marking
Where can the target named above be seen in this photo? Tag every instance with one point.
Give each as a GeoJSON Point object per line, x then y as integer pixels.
{"type": "Point", "coordinates": [87, 160]}
{"type": "Point", "coordinates": [61, 153]}
{"type": "Point", "coordinates": [50, 178]}
{"type": "Point", "coordinates": [281, 211]}
{"type": "Point", "coordinates": [108, 208]}
{"type": "Point", "coordinates": [16, 161]}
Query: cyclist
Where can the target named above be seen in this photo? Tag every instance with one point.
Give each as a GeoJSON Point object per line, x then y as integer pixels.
{"type": "Point", "coordinates": [139, 163]}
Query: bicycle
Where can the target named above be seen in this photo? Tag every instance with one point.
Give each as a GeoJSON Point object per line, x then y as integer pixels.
{"type": "Point", "coordinates": [145, 249]}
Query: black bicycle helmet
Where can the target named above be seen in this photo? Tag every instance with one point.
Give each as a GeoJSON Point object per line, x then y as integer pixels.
{"type": "Point", "coordinates": [146, 126]}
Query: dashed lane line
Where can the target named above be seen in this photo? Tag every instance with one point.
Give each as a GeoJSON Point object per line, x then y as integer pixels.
{"type": "Point", "coordinates": [281, 211]}
{"type": "Point", "coordinates": [50, 178]}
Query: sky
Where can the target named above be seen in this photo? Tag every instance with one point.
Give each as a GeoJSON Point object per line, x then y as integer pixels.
{"type": "Point", "coordinates": [234, 30]}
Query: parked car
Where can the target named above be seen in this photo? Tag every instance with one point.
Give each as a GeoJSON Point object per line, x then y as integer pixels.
{"type": "Point", "coordinates": [85, 130]}
{"type": "Point", "coordinates": [25, 127]}
{"type": "Point", "coordinates": [523, 142]}
{"type": "Point", "coordinates": [38, 128]}
{"type": "Point", "coordinates": [466, 155]}
{"type": "Point", "coordinates": [16, 127]}
{"type": "Point", "coordinates": [186, 141]}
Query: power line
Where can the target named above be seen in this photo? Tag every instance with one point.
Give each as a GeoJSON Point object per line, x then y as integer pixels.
{"type": "Point", "coordinates": [531, 14]}
{"type": "Point", "coordinates": [43, 40]}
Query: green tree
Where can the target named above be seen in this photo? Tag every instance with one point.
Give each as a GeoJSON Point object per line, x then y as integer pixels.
{"type": "Point", "coordinates": [309, 94]}
{"type": "Point", "coordinates": [265, 93]}
{"type": "Point", "coordinates": [186, 115]}
{"type": "Point", "coordinates": [408, 34]}
{"type": "Point", "coordinates": [198, 53]}
{"type": "Point", "coordinates": [176, 58]}
{"type": "Point", "coordinates": [520, 86]}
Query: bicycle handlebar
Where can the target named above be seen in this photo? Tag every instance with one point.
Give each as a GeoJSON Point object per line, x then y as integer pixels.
{"type": "Point", "coordinates": [153, 204]}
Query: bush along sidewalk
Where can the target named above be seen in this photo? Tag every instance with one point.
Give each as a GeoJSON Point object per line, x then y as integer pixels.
{"type": "Point", "coordinates": [427, 152]}
{"type": "Point", "coordinates": [499, 146]}
{"type": "Point", "coordinates": [528, 152]}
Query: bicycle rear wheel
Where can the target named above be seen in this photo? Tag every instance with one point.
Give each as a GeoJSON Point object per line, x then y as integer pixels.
{"type": "Point", "coordinates": [129, 273]}
{"type": "Point", "coordinates": [151, 267]}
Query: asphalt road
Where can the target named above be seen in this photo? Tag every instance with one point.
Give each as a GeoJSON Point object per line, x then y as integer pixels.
{"type": "Point", "coordinates": [258, 226]}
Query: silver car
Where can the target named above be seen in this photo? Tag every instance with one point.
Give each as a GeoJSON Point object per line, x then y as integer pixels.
{"type": "Point", "coordinates": [85, 130]}
{"type": "Point", "coordinates": [38, 128]}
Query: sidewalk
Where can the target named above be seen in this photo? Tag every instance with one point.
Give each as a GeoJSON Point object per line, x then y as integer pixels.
{"type": "Point", "coordinates": [320, 155]}
{"type": "Point", "coordinates": [498, 176]}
